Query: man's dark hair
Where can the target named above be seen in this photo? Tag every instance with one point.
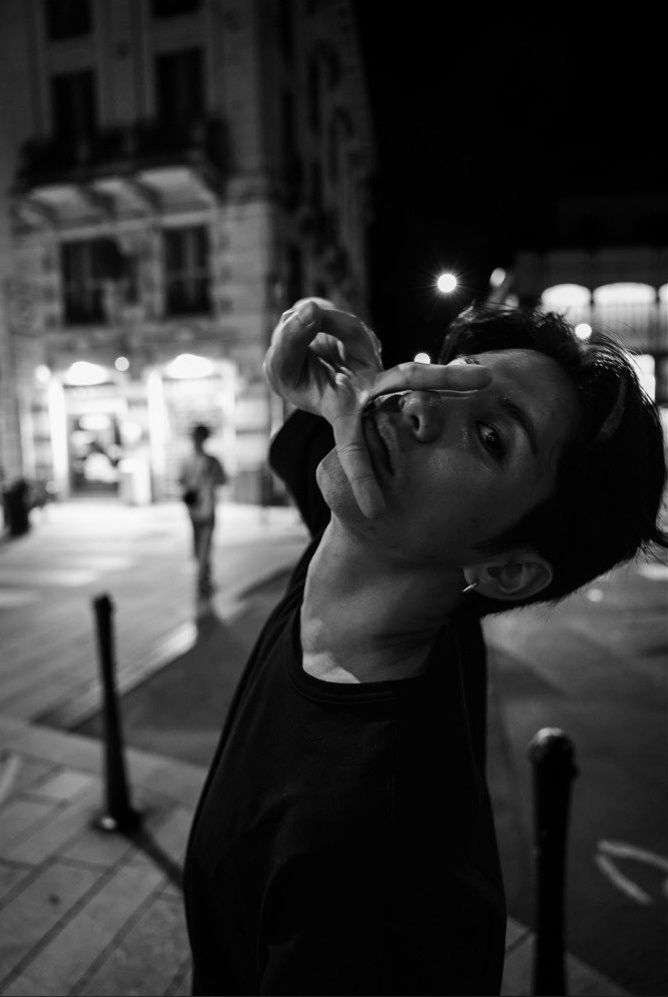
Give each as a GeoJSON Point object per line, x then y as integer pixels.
{"type": "Point", "coordinates": [610, 479]}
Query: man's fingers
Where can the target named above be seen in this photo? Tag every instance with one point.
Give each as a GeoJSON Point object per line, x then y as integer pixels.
{"type": "Point", "coordinates": [434, 377]}
{"type": "Point", "coordinates": [354, 459]}
{"type": "Point", "coordinates": [359, 341]}
{"type": "Point", "coordinates": [354, 455]}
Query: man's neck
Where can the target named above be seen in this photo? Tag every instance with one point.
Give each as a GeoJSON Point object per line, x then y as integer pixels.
{"type": "Point", "coordinates": [369, 615]}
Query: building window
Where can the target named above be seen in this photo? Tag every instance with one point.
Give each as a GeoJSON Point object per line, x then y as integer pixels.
{"type": "Point", "coordinates": [84, 274]}
{"type": "Point", "coordinates": [67, 18]}
{"type": "Point", "coordinates": [179, 86]}
{"type": "Point", "coordinates": [172, 8]}
{"type": "Point", "coordinates": [186, 270]}
{"type": "Point", "coordinates": [73, 103]}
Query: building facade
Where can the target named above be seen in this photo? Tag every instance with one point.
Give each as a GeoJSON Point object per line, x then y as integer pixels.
{"type": "Point", "coordinates": [603, 263]}
{"type": "Point", "coordinates": [174, 173]}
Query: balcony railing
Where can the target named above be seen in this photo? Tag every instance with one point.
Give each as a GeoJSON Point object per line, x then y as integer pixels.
{"type": "Point", "coordinates": [121, 150]}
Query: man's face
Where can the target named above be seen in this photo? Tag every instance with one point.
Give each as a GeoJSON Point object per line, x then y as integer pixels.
{"type": "Point", "coordinates": [458, 468]}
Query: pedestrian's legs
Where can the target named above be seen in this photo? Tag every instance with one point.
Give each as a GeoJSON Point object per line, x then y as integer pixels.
{"type": "Point", "coordinates": [203, 543]}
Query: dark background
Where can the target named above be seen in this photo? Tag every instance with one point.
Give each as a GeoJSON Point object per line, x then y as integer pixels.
{"type": "Point", "coordinates": [482, 121]}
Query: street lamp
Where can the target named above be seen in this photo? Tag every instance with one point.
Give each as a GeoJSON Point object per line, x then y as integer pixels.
{"type": "Point", "coordinates": [446, 283]}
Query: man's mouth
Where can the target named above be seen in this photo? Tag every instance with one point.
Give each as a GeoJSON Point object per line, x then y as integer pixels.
{"type": "Point", "coordinates": [378, 448]}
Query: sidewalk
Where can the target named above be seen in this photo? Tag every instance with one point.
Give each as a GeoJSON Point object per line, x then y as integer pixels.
{"type": "Point", "coordinates": [84, 911]}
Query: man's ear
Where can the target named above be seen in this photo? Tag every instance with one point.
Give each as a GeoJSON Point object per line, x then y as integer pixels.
{"type": "Point", "coordinates": [512, 576]}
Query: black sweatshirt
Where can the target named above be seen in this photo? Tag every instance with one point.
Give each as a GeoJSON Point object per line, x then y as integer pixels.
{"type": "Point", "coordinates": [344, 842]}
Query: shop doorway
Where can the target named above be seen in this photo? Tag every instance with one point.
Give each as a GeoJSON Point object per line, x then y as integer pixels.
{"type": "Point", "coordinates": [95, 452]}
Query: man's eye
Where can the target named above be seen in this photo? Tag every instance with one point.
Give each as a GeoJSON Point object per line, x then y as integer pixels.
{"type": "Point", "coordinates": [491, 439]}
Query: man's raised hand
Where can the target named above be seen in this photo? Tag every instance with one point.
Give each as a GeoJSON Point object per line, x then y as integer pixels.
{"type": "Point", "coordinates": [325, 361]}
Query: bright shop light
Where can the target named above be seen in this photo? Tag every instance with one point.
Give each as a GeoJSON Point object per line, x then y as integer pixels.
{"type": "Point", "coordinates": [188, 365]}
{"type": "Point", "coordinates": [83, 373]}
{"type": "Point", "coordinates": [121, 363]}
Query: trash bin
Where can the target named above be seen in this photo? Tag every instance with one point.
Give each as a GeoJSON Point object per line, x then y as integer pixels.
{"type": "Point", "coordinates": [16, 508]}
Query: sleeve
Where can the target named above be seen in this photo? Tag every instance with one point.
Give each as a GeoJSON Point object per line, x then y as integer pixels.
{"type": "Point", "coordinates": [294, 454]}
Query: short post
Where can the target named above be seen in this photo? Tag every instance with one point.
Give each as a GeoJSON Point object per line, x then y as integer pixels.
{"type": "Point", "coordinates": [119, 814]}
{"type": "Point", "coordinates": [552, 754]}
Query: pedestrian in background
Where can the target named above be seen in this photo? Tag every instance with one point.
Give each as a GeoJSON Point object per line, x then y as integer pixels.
{"type": "Point", "coordinates": [201, 476]}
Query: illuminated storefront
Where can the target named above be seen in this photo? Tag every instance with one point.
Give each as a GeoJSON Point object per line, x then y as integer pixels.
{"type": "Point", "coordinates": [111, 434]}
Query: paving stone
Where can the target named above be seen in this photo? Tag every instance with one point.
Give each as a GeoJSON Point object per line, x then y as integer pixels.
{"type": "Point", "coordinates": [148, 957]}
{"type": "Point", "coordinates": [181, 984]}
{"type": "Point", "coordinates": [171, 832]}
{"type": "Point", "coordinates": [37, 909]}
{"type": "Point", "coordinates": [96, 847]}
{"type": "Point", "coordinates": [30, 772]}
{"type": "Point", "coordinates": [20, 817]}
{"type": "Point", "coordinates": [64, 785]}
{"type": "Point", "coordinates": [59, 966]}
{"type": "Point", "coordinates": [63, 822]}
{"type": "Point", "coordinates": [10, 875]}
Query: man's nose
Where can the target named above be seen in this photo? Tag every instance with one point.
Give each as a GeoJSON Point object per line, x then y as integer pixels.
{"type": "Point", "coordinates": [424, 412]}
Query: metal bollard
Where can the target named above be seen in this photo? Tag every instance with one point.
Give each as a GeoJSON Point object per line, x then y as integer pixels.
{"type": "Point", "coordinates": [119, 814]}
{"type": "Point", "coordinates": [552, 754]}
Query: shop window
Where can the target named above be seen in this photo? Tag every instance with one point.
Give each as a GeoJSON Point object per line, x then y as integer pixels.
{"type": "Point", "coordinates": [172, 8]}
{"type": "Point", "coordinates": [67, 18]}
{"type": "Point", "coordinates": [73, 104]}
{"type": "Point", "coordinates": [186, 259]}
{"type": "Point", "coordinates": [83, 277]}
{"type": "Point", "coordinates": [179, 86]}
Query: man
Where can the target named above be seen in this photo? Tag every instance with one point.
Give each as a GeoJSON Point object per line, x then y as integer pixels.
{"type": "Point", "coordinates": [201, 476]}
{"type": "Point", "coordinates": [344, 842]}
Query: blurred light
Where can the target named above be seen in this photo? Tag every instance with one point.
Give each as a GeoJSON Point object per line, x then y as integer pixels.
{"type": "Point", "coordinates": [156, 421]}
{"type": "Point", "coordinates": [94, 421]}
{"type": "Point", "coordinates": [187, 365]}
{"type": "Point", "coordinates": [81, 373]}
{"type": "Point", "coordinates": [58, 432]}
{"type": "Point", "coordinates": [42, 373]}
{"type": "Point", "coordinates": [121, 363]}
{"type": "Point", "coordinates": [561, 297]}
{"type": "Point", "coordinates": [583, 330]}
{"type": "Point", "coordinates": [595, 595]}
{"type": "Point", "coordinates": [646, 365]}
{"type": "Point", "coordinates": [422, 358]}
{"type": "Point", "coordinates": [446, 283]}
{"type": "Point", "coordinates": [497, 277]}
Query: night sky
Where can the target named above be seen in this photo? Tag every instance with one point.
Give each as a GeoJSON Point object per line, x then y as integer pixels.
{"type": "Point", "coordinates": [481, 121]}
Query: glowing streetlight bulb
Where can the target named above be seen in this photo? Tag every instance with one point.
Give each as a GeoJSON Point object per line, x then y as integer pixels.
{"type": "Point", "coordinates": [422, 358]}
{"type": "Point", "coordinates": [121, 363]}
{"type": "Point", "coordinates": [446, 283]}
{"type": "Point", "coordinates": [583, 330]}
{"type": "Point", "coordinates": [497, 277]}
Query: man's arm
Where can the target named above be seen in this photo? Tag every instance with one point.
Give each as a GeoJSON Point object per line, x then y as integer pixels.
{"type": "Point", "coordinates": [294, 454]}
{"type": "Point", "coordinates": [219, 474]}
